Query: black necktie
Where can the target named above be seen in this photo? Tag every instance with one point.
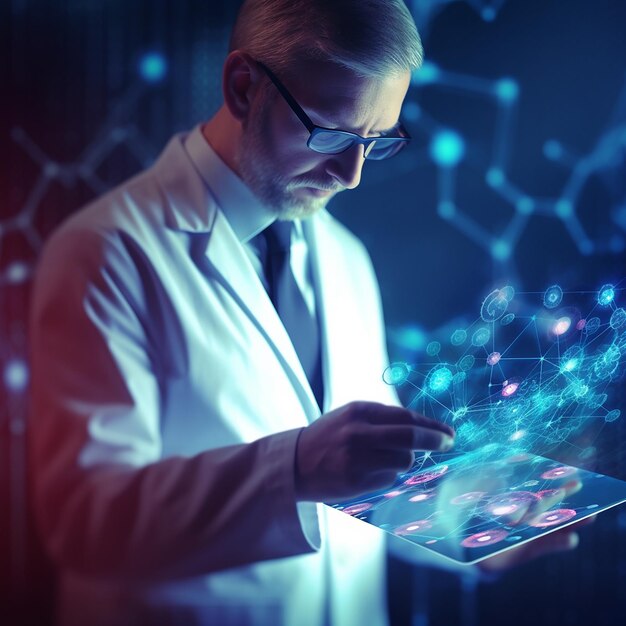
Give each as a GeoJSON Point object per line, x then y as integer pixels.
{"type": "Point", "coordinates": [290, 304]}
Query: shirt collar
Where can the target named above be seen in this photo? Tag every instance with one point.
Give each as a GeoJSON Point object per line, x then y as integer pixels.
{"type": "Point", "coordinates": [246, 215]}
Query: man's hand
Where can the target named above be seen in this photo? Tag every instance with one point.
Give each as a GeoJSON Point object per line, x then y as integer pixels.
{"type": "Point", "coordinates": [361, 447]}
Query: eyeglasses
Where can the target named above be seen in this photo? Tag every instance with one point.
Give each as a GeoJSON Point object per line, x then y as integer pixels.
{"type": "Point", "coordinates": [332, 141]}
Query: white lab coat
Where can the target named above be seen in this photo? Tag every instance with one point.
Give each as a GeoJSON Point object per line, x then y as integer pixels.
{"type": "Point", "coordinates": [166, 403]}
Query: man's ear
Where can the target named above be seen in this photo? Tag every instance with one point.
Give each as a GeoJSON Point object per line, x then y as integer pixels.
{"type": "Point", "coordinates": [240, 79]}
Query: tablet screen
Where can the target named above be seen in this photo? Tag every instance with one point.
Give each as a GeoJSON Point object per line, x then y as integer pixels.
{"type": "Point", "coordinates": [476, 505]}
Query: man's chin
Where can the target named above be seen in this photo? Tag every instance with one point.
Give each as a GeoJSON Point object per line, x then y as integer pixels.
{"type": "Point", "coordinates": [302, 205]}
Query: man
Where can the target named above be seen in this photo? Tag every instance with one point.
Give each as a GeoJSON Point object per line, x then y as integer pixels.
{"type": "Point", "coordinates": [190, 327]}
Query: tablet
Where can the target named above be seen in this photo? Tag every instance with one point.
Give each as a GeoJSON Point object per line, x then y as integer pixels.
{"type": "Point", "coordinates": [474, 506]}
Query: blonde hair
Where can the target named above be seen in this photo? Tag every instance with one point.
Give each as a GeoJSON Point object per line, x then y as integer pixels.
{"type": "Point", "coordinates": [373, 38]}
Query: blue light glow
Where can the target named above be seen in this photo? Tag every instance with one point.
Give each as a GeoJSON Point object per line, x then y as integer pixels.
{"type": "Point", "coordinates": [507, 89]}
{"type": "Point", "coordinates": [427, 73]}
{"type": "Point", "coordinates": [16, 376]}
{"type": "Point", "coordinates": [495, 177]}
{"type": "Point", "coordinates": [541, 381]}
{"type": "Point", "coordinates": [447, 148]}
{"type": "Point", "coordinates": [552, 150]}
{"type": "Point", "coordinates": [440, 379]}
{"type": "Point", "coordinates": [552, 297]}
{"type": "Point", "coordinates": [153, 67]}
{"type": "Point", "coordinates": [458, 337]}
{"type": "Point", "coordinates": [606, 295]}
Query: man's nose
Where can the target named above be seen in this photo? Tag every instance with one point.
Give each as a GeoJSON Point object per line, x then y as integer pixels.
{"type": "Point", "coordinates": [346, 166]}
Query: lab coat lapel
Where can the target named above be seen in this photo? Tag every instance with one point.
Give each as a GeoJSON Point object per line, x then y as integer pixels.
{"type": "Point", "coordinates": [192, 209]}
{"type": "Point", "coordinates": [334, 317]}
{"type": "Point", "coordinates": [232, 268]}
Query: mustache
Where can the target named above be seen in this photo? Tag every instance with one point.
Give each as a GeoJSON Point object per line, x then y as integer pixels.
{"type": "Point", "coordinates": [317, 184]}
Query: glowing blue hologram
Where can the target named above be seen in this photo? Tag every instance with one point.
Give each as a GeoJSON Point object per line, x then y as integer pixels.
{"type": "Point", "coordinates": [447, 148]}
{"type": "Point", "coordinates": [552, 297]}
{"type": "Point", "coordinates": [578, 389]}
{"type": "Point", "coordinates": [507, 89]}
{"type": "Point", "coordinates": [606, 295]}
{"type": "Point", "coordinates": [507, 319]}
{"type": "Point", "coordinates": [439, 379]}
{"type": "Point", "coordinates": [592, 325]}
{"type": "Point", "coordinates": [152, 67]}
{"type": "Point", "coordinates": [459, 377]}
{"type": "Point", "coordinates": [494, 358]}
{"type": "Point", "coordinates": [433, 348]}
{"type": "Point", "coordinates": [493, 308]}
{"type": "Point", "coordinates": [396, 373]}
{"type": "Point", "coordinates": [508, 292]}
{"type": "Point", "coordinates": [481, 337]}
{"type": "Point", "coordinates": [520, 399]}
{"type": "Point", "coordinates": [467, 362]}
{"type": "Point", "coordinates": [611, 416]}
{"type": "Point", "coordinates": [572, 359]}
{"type": "Point", "coordinates": [16, 376]}
{"type": "Point", "coordinates": [618, 319]}
{"type": "Point", "coordinates": [607, 363]}
{"type": "Point", "coordinates": [458, 337]}
{"type": "Point", "coordinates": [460, 412]}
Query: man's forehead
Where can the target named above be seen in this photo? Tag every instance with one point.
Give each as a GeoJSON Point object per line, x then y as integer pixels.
{"type": "Point", "coordinates": [337, 96]}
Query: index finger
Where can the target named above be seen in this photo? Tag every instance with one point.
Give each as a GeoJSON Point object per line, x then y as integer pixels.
{"type": "Point", "coordinates": [400, 416]}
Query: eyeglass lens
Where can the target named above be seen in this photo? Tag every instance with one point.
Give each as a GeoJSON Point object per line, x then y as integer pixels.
{"type": "Point", "coordinates": [335, 143]}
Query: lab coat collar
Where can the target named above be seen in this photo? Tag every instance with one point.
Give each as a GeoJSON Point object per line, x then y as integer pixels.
{"type": "Point", "coordinates": [232, 268]}
{"type": "Point", "coordinates": [190, 207]}
{"type": "Point", "coordinates": [246, 215]}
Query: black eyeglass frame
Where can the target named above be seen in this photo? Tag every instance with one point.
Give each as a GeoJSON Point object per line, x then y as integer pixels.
{"type": "Point", "coordinates": [368, 142]}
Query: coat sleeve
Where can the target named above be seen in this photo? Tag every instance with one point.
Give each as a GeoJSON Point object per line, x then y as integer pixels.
{"type": "Point", "coordinates": [105, 501]}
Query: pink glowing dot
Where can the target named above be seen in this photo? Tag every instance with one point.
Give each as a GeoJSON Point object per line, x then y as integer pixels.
{"type": "Point", "coordinates": [355, 509]}
{"type": "Point", "coordinates": [550, 493]}
{"type": "Point", "coordinates": [552, 518]}
{"type": "Point", "coordinates": [581, 324]}
{"type": "Point", "coordinates": [504, 509]}
{"type": "Point", "coordinates": [509, 388]}
{"type": "Point", "coordinates": [413, 527]}
{"type": "Point", "coordinates": [558, 472]}
{"type": "Point", "coordinates": [419, 497]}
{"type": "Point", "coordinates": [431, 541]}
{"type": "Point", "coordinates": [485, 538]}
{"type": "Point", "coordinates": [493, 358]}
{"type": "Point", "coordinates": [393, 494]}
{"type": "Point", "coordinates": [561, 326]}
{"type": "Point", "coordinates": [425, 477]}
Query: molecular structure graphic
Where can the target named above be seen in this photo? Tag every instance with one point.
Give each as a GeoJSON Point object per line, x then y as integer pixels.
{"type": "Point", "coordinates": [116, 131]}
{"type": "Point", "coordinates": [447, 150]}
{"type": "Point", "coordinates": [533, 369]}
